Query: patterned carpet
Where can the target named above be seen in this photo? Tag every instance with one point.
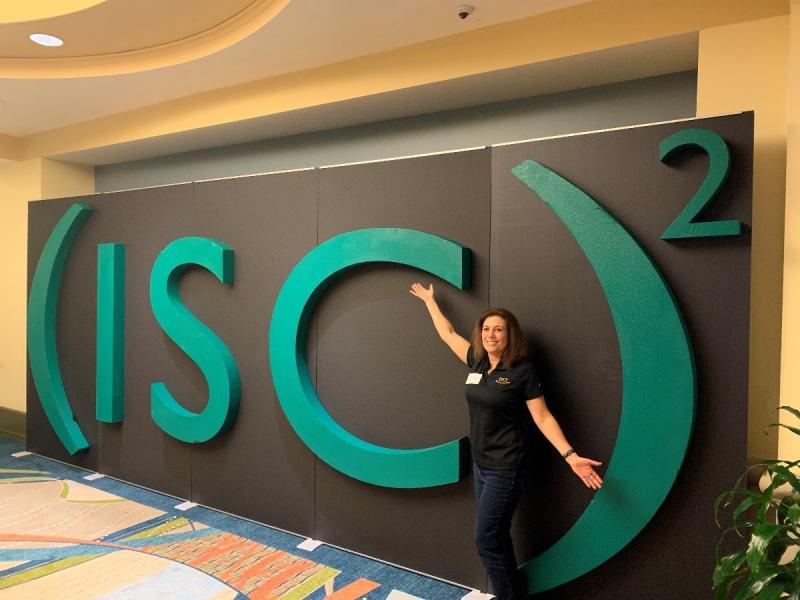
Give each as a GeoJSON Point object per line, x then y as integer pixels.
{"type": "Point", "coordinates": [62, 536]}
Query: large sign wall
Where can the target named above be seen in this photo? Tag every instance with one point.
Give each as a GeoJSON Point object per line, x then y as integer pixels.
{"type": "Point", "coordinates": [636, 306]}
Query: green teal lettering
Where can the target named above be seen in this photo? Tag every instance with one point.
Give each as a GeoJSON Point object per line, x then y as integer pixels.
{"type": "Point", "coordinates": [42, 311]}
{"type": "Point", "coordinates": [658, 390]}
{"type": "Point", "coordinates": [110, 376]}
{"type": "Point", "coordinates": [378, 465]}
{"type": "Point", "coordinates": [719, 163]}
{"type": "Point", "coordinates": [196, 340]}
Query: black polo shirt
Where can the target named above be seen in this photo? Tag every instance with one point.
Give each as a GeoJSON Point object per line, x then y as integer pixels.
{"type": "Point", "coordinates": [498, 415]}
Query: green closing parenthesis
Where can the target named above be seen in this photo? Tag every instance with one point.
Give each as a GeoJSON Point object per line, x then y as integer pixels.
{"type": "Point", "coordinates": [42, 311]}
{"type": "Point", "coordinates": [196, 340]}
{"type": "Point", "coordinates": [658, 390]}
{"type": "Point", "coordinates": [378, 465]}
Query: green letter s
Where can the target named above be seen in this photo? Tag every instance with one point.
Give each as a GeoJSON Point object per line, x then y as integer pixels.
{"type": "Point", "coordinates": [196, 340]}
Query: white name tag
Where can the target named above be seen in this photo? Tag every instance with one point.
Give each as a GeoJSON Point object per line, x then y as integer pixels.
{"type": "Point", "coordinates": [474, 378]}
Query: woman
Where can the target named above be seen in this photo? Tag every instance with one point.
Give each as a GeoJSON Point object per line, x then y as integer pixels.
{"type": "Point", "coordinates": [501, 385]}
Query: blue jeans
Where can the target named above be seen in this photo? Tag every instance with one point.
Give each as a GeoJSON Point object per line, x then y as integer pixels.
{"type": "Point", "coordinates": [497, 492]}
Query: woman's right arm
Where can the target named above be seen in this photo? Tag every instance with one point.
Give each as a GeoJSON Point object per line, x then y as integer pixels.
{"type": "Point", "coordinates": [444, 328]}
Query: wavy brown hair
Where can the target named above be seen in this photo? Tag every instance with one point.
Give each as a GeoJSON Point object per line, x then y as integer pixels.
{"type": "Point", "coordinates": [516, 348]}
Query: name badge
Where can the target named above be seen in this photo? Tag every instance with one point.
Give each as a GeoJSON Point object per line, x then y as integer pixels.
{"type": "Point", "coordinates": [474, 378]}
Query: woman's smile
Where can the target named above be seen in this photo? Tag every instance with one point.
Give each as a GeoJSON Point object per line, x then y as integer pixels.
{"type": "Point", "coordinates": [494, 334]}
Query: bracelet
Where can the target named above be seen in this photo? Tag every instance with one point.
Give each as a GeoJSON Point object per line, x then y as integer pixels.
{"type": "Point", "coordinates": [568, 453]}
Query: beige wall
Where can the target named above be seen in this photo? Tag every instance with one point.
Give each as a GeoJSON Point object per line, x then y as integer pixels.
{"type": "Point", "coordinates": [62, 179]}
{"type": "Point", "coordinates": [21, 182]}
{"type": "Point", "coordinates": [575, 30]}
{"type": "Point", "coordinates": [745, 67]}
{"type": "Point", "coordinates": [9, 148]}
{"type": "Point", "coordinates": [789, 447]}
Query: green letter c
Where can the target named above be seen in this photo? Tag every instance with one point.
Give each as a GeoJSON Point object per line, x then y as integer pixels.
{"type": "Point", "coordinates": [378, 465]}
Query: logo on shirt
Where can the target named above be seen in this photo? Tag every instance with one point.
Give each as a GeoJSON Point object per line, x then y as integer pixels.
{"type": "Point", "coordinates": [503, 380]}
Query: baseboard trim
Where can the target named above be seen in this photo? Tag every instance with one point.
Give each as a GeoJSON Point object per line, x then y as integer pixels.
{"type": "Point", "coordinates": [12, 422]}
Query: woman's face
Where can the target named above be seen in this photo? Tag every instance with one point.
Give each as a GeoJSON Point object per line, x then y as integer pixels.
{"type": "Point", "coordinates": [494, 335]}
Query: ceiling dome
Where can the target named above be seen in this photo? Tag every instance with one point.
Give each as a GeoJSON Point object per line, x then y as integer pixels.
{"type": "Point", "coordinates": [103, 37]}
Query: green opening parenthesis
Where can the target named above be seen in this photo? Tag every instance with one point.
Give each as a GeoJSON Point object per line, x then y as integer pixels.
{"type": "Point", "coordinates": [42, 310]}
{"type": "Point", "coordinates": [658, 390]}
{"type": "Point", "coordinates": [198, 342]}
{"type": "Point", "coordinates": [378, 465]}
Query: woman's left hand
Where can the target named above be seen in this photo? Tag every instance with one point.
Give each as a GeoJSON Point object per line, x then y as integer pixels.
{"type": "Point", "coordinates": [584, 468]}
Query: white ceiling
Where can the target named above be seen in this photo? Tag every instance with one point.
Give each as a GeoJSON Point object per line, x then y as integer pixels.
{"type": "Point", "coordinates": [304, 34]}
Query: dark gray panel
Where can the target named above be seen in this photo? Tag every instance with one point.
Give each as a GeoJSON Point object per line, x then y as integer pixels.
{"type": "Point", "coordinates": [137, 450]}
{"type": "Point", "coordinates": [429, 530]}
{"type": "Point", "coordinates": [259, 469]}
{"type": "Point", "coordinates": [75, 333]}
{"type": "Point", "coordinates": [538, 271]}
{"type": "Point", "coordinates": [408, 393]}
{"type": "Point", "coordinates": [12, 422]}
{"type": "Point", "coordinates": [382, 371]}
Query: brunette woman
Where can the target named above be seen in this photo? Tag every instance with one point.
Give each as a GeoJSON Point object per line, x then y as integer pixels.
{"type": "Point", "coordinates": [503, 391]}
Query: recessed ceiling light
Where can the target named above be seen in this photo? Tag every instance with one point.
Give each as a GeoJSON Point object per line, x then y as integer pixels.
{"type": "Point", "coordinates": [44, 39]}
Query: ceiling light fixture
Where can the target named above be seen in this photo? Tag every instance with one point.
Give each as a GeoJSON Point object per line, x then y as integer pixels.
{"type": "Point", "coordinates": [44, 39]}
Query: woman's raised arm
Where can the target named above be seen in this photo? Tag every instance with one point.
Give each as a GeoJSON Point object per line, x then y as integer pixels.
{"type": "Point", "coordinates": [444, 328]}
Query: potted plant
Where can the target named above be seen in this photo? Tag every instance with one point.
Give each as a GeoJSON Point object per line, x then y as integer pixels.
{"type": "Point", "coordinates": [767, 519]}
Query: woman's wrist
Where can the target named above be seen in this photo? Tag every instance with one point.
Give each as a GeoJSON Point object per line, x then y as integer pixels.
{"type": "Point", "coordinates": [567, 453]}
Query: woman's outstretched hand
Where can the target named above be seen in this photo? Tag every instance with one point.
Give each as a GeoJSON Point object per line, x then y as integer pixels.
{"type": "Point", "coordinates": [424, 294]}
{"type": "Point", "coordinates": [444, 328]}
{"type": "Point", "coordinates": [584, 468]}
